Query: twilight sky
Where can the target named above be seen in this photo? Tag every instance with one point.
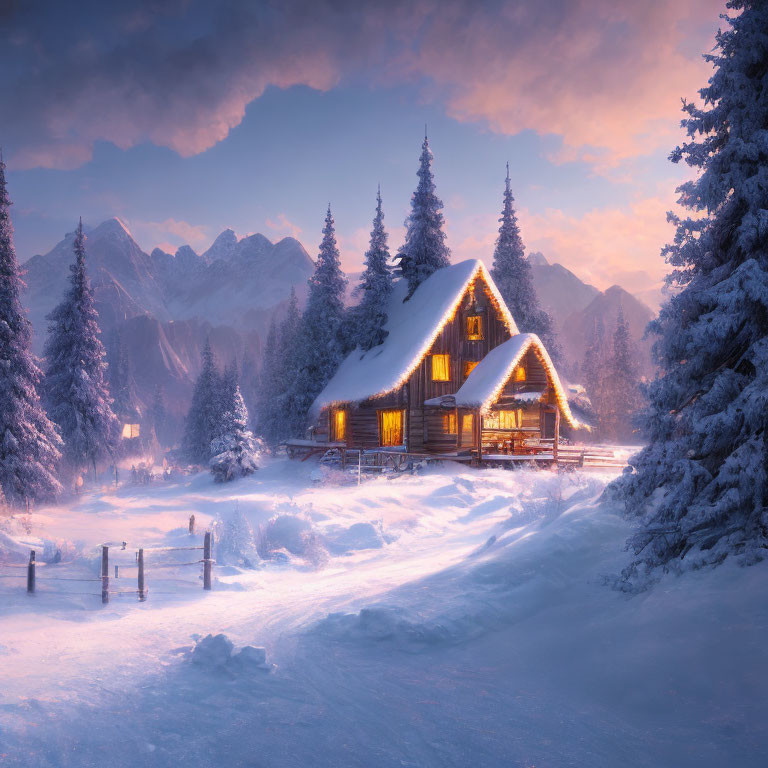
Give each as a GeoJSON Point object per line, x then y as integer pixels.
{"type": "Point", "coordinates": [185, 117]}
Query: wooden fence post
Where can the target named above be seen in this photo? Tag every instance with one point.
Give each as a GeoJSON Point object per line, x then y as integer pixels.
{"type": "Point", "coordinates": [207, 561]}
{"type": "Point", "coordinates": [117, 571]}
{"type": "Point", "coordinates": [142, 590]}
{"type": "Point", "coordinates": [191, 525]}
{"type": "Point", "coordinates": [31, 573]}
{"type": "Point", "coordinates": [105, 574]}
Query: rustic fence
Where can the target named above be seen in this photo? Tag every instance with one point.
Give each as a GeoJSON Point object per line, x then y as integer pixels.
{"type": "Point", "coordinates": [108, 583]}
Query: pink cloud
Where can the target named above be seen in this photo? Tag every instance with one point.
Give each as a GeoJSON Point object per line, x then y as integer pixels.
{"type": "Point", "coordinates": [168, 235]}
{"type": "Point", "coordinates": [606, 76]}
{"type": "Point", "coordinates": [282, 226]}
{"type": "Point", "coordinates": [604, 246]}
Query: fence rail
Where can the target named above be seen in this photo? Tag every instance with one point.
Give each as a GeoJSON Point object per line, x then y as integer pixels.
{"type": "Point", "coordinates": [141, 590]}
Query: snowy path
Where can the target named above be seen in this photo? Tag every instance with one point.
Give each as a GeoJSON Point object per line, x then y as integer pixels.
{"type": "Point", "coordinates": [511, 653]}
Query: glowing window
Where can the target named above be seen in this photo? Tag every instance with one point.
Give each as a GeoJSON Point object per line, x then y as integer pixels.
{"type": "Point", "coordinates": [130, 431]}
{"type": "Point", "coordinates": [391, 426]}
{"type": "Point", "coordinates": [449, 423]}
{"type": "Point", "coordinates": [519, 374]}
{"type": "Point", "coordinates": [469, 366]}
{"type": "Point", "coordinates": [511, 419]}
{"type": "Point", "coordinates": [466, 424]}
{"type": "Point", "coordinates": [441, 367]}
{"type": "Point", "coordinates": [474, 327]}
{"type": "Point", "coordinates": [339, 425]}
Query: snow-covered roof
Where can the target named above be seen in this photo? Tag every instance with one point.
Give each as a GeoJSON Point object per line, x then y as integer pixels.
{"type": "Point", "coordinates": [484, 385]}
{"type": "Point", "coordinates": [413, 326]}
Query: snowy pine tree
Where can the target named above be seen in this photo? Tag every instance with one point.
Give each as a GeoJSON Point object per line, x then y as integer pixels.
{"type": "Point", "coordinates": [700, 487]}
{"type": "Point", "coordinates": [320, 345]}
{"type": "Point", "coordinates": [424, 250]}
{"type": "Point", "coordinates": [234, 449]}
{"type": "Point", "coordinates": [268, 421]}
{"type": "Point", "coordinates": [122, 387]}
{"type": "Point", "coordinates": [201, 424]}
{"type": "Point", "coordinates": [159, 416]}
{"type": "Point", "coordinates": [29, 443]}
{"type": "Point", "coordinates": [288, 418]}
{"type": "Point", "coordinates": [76, 394]}
{"type": "Point", "coordinates": [235, 541]}
{"type": "Point", "coordinates": [512, 274]}
{"type": "Point", "coordinates": [594, 372]}
{"type": "Point", "coordinates": [376, 282]}
{"type": "Point", "coordinates": [623, 398]}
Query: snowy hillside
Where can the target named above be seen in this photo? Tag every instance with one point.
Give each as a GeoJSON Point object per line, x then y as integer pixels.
{"type": "Point", "coordinates": [452, 618]}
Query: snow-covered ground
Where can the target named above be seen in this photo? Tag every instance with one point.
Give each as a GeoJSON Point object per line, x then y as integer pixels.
{"type": "Point", "coordinates": [460, 618]}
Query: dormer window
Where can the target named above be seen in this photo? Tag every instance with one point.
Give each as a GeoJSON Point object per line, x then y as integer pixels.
{"type": "Point", "coordinates": [519, 375]}
{"type": "Point", "coordinates": [474, 327]}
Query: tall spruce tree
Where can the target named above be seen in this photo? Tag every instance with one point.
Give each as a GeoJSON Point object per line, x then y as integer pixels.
{"type": "Point", "coordinates": [700, 487]}
{"type": "Point", "coordinates": [76, 394]}
{"type": "Point", "coordinates": [424, 250]}
{"type": "Point", "coordinates": [122, 387]}
{"type": "Point", "coordinates": [289, 419]}
{"type": "Point", "coordinates": [594, 372]}
{"type": "Point", "coordinates": [623, 397]}
{"type": "Point", "coordinates": [321, 345]}
{"type": "Point", "coordinates": [268, 414]}
{"type": "Point", "coordinates": [512, 274]}
{"type": "Point", "coordinates": [375, 287]}
{"type": "Point", "coordinates": [202, 420]}
{"type": "Point", "coordinates": [29, 443]}
{"type": "Point", "coordinates": [159, 416]}
{"type": "Point", "coordinates": [233, 450]}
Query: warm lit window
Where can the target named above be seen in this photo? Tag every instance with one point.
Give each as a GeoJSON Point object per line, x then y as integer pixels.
{"type": "Point", "coordinates": [466, 424]}
{"type": "Point", "coordinates": [469, 366]}
{"type": "Point", "coordinates": [441, 367]}
{"type": "Point", "coordinates": [339, 425]}
{"type": "Point", "coordinates": [449, 423]}
{"type": "Point", "coordinates": [130, 431]}
{"type": "Point", "coordinates": [510, 419]}
{"type": "Point", "coordinates": [391, 427]}
{"type": "Point", "coordinates": [519, 373]}
{"type": "Point", "coordinates": [474, 327]}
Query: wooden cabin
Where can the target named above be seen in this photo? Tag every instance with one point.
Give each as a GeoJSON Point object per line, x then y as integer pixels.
{"type": "Point", "coordinates": [453, 377]}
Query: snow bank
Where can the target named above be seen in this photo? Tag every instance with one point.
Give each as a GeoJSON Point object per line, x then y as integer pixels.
{"type": "Point", "coordinates": [216, 653]}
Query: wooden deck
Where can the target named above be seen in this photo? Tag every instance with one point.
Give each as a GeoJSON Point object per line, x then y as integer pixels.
{"type": "Point", "coordinates": [397, 458]}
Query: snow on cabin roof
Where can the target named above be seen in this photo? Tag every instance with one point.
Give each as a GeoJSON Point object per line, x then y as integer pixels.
{"type": "Point", "coordinates": [484, 385]}
{"type": "Point", "coordinates": [413, 326]}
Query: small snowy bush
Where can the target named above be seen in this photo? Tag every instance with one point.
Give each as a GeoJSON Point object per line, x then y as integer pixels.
{"type": "Point", "coordinates": [235, 543]}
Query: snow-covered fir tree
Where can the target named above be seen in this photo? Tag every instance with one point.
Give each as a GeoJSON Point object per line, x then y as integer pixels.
{"type": "Point", "coordinates": [271, 388]}
{"type": "Point", "coordinates": [514, 278]}
{"type": "Point", "coordinates": [623, 397]}
{"type": "Point", "coordinates": [234, 450]}
{"type": "Point", "coordinates": [159, 416]}
{"type": "Point", "coordinates": [235, 541]}
{"type": "Point", "coordinates": [202, 419]}
{"type": "Point", "coordinates": [76, 394]}
{"type": "Point", "coordinates": [29, 443]}
{"type": "Point", "coordinates": [122, 387]}
{"type": "Point", "coordinates": [375, 288]}
{"type": "Point", "coordinates": [700, 487]}
{"type": "Point", "coordinates": [288, 342]}
{"type": "Point", "coordinates": [320, 345]}
{"type": "Point", "coordinates": [594, 370]}
{"type": "Point", "coordinates": [424, 249]}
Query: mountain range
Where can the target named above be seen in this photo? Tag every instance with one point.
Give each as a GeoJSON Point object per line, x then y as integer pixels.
{"type": "Point", "coordinates": [165, 305]}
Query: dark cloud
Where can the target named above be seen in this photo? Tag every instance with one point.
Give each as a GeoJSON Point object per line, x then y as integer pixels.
{"type": "Point", "coordinates": [180, 74]}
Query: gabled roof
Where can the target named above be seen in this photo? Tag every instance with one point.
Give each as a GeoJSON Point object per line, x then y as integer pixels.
{"type": "Point", "coordinates": [412, 327]}
{"type": "Point", "coordinates": [488, 378]}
